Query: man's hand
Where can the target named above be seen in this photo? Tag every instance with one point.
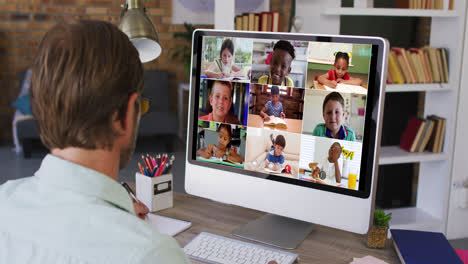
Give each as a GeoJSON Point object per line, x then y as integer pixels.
{"type": "Point", "coordinates": [282, 115]}
{"type": "Point", "coordinates": [140, 209]}
{"type": "Point", "coordinates": [267, 118]}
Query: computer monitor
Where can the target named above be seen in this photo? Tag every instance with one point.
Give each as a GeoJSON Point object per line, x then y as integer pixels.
{"type": "Point", "coordinates": [287, 124]}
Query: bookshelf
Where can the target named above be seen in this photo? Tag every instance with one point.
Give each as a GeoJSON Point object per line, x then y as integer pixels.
{"type": "Point", "coordinates": [419, 87]}
{"type": "Point", "coordinates": [395, 12]}
{"type": "Point", "coordinates": [396, 155]}
{"type": "Point", "coordinates": [431, 212]}
{"type": "Point", "coordinates": [434, 189]}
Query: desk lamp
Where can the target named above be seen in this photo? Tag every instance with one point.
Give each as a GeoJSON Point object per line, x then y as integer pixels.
{"type": "Point", "coordinates": [140, 30]}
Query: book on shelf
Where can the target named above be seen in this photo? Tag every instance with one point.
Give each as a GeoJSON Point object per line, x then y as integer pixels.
{"type": "Point", "coordinates": [410, 133]}
{"type": "Point", "coordinates": [275, 22]}
{"type": "Point", "coordinates": [245, 21]}
{"type": "Point", "coordinates": [264, 17]}
{"type": "Point", "coordinates": [264, 21]}
{"type": "Point", "coordinates": [276, 122]}
{"type": "Point", "coordinates": [238, 23]}
{"type": "Point", "coordinates": [417, 65]}
{"type": "Point", "coordinates": [421, 4]}
{"type": "Point", "coordinates": [394, 70]}
{"type": "Point", "coordinates": [251, 22]}
{"type": "Point", "coordinates": [423, 247]}
{"type": "Point", "coordinates": [424, 134]}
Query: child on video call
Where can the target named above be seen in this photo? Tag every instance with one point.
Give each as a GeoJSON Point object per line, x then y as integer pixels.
{"type": "Point", "coordinates": [275, 155]}
{"type": "Point", "coordinates": [280, 65]}
{"type": "Point", "coordinates": [221, 102]}
{"type": "Point", "coordinates": [223, 150]}
{"type": "Point", "coordinates": [339, 74]}
{"type": "Point", "coordinates": [223, 67]}
{"type": "Point", "coordinates": [333, 115]}
{"type": "Point", "coordinates": [330, 165]}
{"type": "Point", "coordinates": [273, 107]}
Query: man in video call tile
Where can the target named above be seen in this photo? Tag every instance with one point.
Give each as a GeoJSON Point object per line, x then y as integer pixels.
{"type": "Point", "coordinates": [221, 103]}
{"type": "Point", "coordinates": [280, 65]}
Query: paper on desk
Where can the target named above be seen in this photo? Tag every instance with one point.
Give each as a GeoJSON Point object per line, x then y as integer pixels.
{"type": "Point", "coordinates": [167, 225]}
{"type": "Point", "coordinates": [347, 88]}
{"type": "Point", "coordinates": [368, 260]}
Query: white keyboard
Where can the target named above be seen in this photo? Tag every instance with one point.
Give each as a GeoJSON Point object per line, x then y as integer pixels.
{"type": "Point", "coordinates": [216, 249]}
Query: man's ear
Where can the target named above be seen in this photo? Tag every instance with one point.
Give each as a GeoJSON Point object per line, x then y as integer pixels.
{"type": "Point", "coordinates": [126, 123]}
{"type": "Point", "coordinates": [289, 70]}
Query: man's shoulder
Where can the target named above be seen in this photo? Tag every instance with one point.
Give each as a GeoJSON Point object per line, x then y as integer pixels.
{"type": "Point", "coordinates": [14, 186]}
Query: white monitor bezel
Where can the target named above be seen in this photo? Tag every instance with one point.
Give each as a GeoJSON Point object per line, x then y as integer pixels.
{"type": "Point", "coordinates": [277, 194]}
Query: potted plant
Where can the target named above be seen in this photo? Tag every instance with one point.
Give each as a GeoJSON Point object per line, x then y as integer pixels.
{"type": "Point", "coordinates": [377, 235]}
{"type": "Point", "coordinates": [184, 52]}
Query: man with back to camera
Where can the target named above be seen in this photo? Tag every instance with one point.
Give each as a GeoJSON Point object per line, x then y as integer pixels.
{"type": "Point", "coordinates": [86, 88]}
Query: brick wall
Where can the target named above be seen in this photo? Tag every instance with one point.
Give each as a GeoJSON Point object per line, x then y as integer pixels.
{"type": "Point", "coordinates": [24, 22]}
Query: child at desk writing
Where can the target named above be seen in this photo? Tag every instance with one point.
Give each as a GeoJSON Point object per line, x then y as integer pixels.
{"type": "Point", "coordinates": [223, 67]}
{"type": "Point", "coordinates": [273, 107]}
{"type": "Point", "coordinates": [275, 155]}
{"type": "Point", "coordinates": [339, 74]}
{"type": "Point", "coordinates": [333, 115]}
{"type": "Point", "coordinates": [223, 150]}
{"type": "Point", "coordinates": [330, 165]}
{"type": "Point", "coordinates": [280, 65]}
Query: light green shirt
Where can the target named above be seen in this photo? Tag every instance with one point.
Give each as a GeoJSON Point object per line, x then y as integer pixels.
{"type": "Point", "coordinates": [67, 213]}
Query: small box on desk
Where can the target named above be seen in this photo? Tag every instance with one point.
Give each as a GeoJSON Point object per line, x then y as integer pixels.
{"type": "Point", "coordinates": [155, 192]}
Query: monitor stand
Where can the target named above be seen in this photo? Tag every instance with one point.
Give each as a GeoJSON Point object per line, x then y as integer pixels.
{"type": "Point", "coordinates": [275, 230]}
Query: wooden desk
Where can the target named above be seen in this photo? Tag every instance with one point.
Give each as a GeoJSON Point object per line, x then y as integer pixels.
{"type": "Point", "coordinates": [294, 125]}
{"type": "Point", "coordinates": [320, 86]}
{"type": "Point", "coordinates": [323, 245]}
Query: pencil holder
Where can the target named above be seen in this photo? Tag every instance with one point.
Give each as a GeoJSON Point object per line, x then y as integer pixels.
{"type": "Point", "coordinates": [155, 192]}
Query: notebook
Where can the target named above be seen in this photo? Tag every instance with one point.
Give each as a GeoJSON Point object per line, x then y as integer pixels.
{"type": "Point", "coordinates": [415, 247]}
{"type": "Point", "coordinates": [167, 225]}
{"type": "Point", "coordinates": [276, 122]}
{"type": "Point", "coordinates": [347, 88]}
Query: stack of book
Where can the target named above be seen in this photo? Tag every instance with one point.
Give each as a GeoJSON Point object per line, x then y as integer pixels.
{"type": "Point", "coordinates": [423, 4]}
{"type": "Point", "coordinates": [417, 65]}
{"type": "Point", "coordinates": [424, 134]}
{"type": "Point", "coordinates": [423, 247]}
{"type": "Point", "coordinates": [265, 21]}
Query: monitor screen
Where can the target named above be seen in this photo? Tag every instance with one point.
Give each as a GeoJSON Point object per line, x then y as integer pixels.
{"type": "Point", "coordinates": [291, 108]}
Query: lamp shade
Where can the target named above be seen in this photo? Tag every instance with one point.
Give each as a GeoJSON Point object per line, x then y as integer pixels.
{"type": "Point", "coordinates": [141, 32]}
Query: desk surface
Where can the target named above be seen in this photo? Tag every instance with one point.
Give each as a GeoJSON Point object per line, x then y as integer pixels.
{"type": "Point", "coordinates": [320, 86]}
{"type": "Point", "coordinates": [294, 125]}
{"type": "Point", "coordinates": [323, 245]}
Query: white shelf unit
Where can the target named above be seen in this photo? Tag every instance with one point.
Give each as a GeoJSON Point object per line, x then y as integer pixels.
{"type": "Point", "coordinates": [447, 30]}
{"type": "Point", "coordinates": [396, 155]}
{"type": "Point", "coordinates": [419, 87]}
{"type": "Point", "coordinates": [349, 11]}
